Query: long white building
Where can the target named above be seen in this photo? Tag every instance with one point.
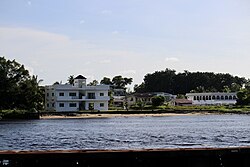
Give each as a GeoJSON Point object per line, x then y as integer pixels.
{"type": "Point", "coordinates": [212, 98]}
{"type": "Point", "coordinates": [76, 97]}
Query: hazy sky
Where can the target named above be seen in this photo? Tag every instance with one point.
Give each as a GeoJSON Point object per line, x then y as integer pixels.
{"type": "Point", "coordinates": [97, 38]}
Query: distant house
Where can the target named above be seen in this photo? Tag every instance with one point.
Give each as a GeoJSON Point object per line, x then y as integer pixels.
{"type": "Point", "coordinates": [213, 98]}
{"type": "Point", "coordinates": [181, 102]}
{"type": "Point", "coordinates": [118, 96]}
{"type": "Point", "coordinates": [76, 97]}
{"type": "Point", "coordinates": [147, 97]}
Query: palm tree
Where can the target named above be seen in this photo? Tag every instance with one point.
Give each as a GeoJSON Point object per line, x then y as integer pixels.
{"type": "Point", "coordinates": [71, 79]}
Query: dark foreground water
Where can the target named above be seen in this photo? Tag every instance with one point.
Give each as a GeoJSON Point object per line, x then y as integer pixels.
{"type": "Point", "coordinates": [126, 133]}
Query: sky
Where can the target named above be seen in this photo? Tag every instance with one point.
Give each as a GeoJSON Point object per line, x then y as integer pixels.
{"type": "Point", "coordinates": [106, 38]}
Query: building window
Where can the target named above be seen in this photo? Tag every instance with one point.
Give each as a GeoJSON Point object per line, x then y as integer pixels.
{"type": "Point", "coordinates": [47, 104]}
{"type": "Point", "coordinates": [53, 94]}
{"type": "Point", "coordinates": [72, 94]}
{"type": "Point", "coordinates": [61, 104]}
{"type": "Point", "coordinates": [91, 95]}
{"type": "Point", "coordinates": [61, 94]}
{"type": "Point", "coordinates": [194, 97]}
{"type": "Point", "coordinates": [101, 104]}
{"type": "Point", "coordinates": [47, 94]}
{"type": "Point", "coordinates": [101, 94]}
{"type": "Point", "coordinates": [53, 104]}
{"type": "Point", "coordinates": [72, 104]}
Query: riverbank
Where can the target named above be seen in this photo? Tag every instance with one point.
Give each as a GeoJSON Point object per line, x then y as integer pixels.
{"type": "Point", "coordinates": [170, 111]}
{"type": "Point", "coordinates": [19, 114]}
{"type": "Point", "coordinates": [100, 115]}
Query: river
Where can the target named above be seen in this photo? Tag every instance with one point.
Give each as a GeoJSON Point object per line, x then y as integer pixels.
{"type": "Point", "coordinates": [126, 133]}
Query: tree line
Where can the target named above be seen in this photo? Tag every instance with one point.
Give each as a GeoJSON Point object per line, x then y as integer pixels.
{"type": "Point", "coordinates": [117, 82]}
{"type": "Point", "coordinates": [184, 82]}
{"type": "Point", "coordinates": [19, 89]}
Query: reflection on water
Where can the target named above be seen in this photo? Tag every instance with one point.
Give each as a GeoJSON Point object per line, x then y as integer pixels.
{"type": "Point", "coordinates": [126, 133]}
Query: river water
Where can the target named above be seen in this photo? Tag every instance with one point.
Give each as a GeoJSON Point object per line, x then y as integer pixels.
{"type": "Point", "coordinates": [126, 133]}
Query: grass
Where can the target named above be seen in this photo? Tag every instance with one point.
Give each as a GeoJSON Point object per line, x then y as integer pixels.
{"type": "Point", "coordinates": [168, 108]}
{"type": "Point", "coordinates": [17, 114]}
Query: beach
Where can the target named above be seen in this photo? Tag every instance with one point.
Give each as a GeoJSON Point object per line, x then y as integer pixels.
{"type": "Point", "coordinates": [87, 116]}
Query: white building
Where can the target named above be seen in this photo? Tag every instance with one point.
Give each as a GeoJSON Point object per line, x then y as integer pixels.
{"type": "Point", "coordinates": [76, 97]}
{"type": "Point", "coordinates": [213, 98]}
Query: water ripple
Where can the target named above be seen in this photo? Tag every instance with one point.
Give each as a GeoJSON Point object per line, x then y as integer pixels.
{"type": "Point", "coordinates": [126, 133]}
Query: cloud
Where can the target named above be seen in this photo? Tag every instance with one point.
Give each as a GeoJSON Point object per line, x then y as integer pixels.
{"type": "Point", "coordinates": [29, 3]}
{"type": "Point", "coordinates": [106, 12]}
{"type": "Point", "coordinates": [171, 59]}
{"type": "Point", "coordinates": [82, 21]}
{"type": "Point", "coordinates": [127, 72]}
{"type": "Point", "coordinates": [105, 61]}
{"type": "Point", "coordinates": [115, 32]}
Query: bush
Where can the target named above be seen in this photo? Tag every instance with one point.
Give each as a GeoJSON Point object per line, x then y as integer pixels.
{"type": "Point", "coordinates": [157, 100]}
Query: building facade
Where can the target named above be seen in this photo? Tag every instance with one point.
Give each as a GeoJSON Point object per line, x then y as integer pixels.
{"type": "Point", "coordinates": [76, 97]}
{"type": "Point", "coordinates": [212, 98]}
{"type": "Point", "coordinates": [147, 97]}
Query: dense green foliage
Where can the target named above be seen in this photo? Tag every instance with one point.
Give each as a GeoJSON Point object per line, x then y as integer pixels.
{"type": "Point", "coordinates": [157, 100]}
{"type": "Point", "coordinates": [18, 90]}
{"type": "Point", "coordinates": [118, 82]}
{"type": "Point", "coordinates": [181, 83]}
{"type": "Point", "coordinates": [244, 95]}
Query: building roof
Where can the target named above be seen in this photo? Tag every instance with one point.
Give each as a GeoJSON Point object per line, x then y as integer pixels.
{"type": "Point", "coordinates": [80, 77]}
{"type": "Point", "coordinates": [211, 93]}
{"type": "Point", "coordinates": [143, 95]}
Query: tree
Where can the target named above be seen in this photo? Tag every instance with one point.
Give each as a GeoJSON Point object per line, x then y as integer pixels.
{"type": "Point", "coordinates": [243, 97]}
{"type": "Point", "coordinates": [93, 83]}
{"type": "Point", "coordinates": [56, 83]}
{"type": "Point", "coordinates": [181, 83]}
{"type": "Point", "coordinates": [160, 81]}
{"type": "Point", "coordinates": [119, 82]}
{"type": "Point", "coordinates": [157, 100]}
{"type": "Point", "coordinates": [17, 88]}
{"type": "Point", "coordinates": [71, 79]}
{"type": "Point", "coordinates": [106, 81]}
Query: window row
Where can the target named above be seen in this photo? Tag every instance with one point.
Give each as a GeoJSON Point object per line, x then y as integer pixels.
{"type": "Point", "coordinates": [91, 95]}
{"type": "Point", "coordinates": [70, 104]}
{"type": "Point", "coordinates": [52, 94]}
{"type": "Point", "coordinates": [70, 94]}
{"type": "Point", "coordinates": [215, 97]}
{"type": "Point", "coordinates": [73, 105]}
{"type": "Point", "coordinates": [52, 105]}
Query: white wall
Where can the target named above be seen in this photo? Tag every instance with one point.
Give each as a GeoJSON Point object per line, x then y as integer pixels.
{"type": "Point", "coordinates": [201, 101]}
{"type": "Point", "coordinates": [97, 105]}
{"type": "Point", "coordinates": [66, 106]}
{"type": "Point", "coordinates": [66, 99]}
{"type": "Point", "coordinates": [66, 95]}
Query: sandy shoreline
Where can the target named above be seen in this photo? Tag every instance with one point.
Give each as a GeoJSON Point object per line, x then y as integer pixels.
{"type": "Point", "coordinates": [86, 116]}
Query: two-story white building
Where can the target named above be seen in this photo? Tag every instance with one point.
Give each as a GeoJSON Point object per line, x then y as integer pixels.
{"type": "Point", "coordinates": [76, 97]}
{"type": "Point", "coordinates": [213, 98]}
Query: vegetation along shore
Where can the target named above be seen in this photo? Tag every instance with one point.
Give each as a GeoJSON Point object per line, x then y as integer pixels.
{"type": "Point", "coordinates": [170, 111]}
{"type": "Point", "coordinates": [22, 96]}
